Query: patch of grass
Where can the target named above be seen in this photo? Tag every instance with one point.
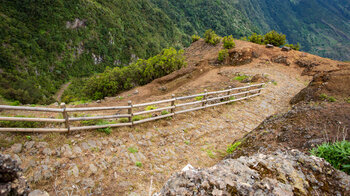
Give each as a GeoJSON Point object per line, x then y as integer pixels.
{"type": "Point", "coordinates": [95, 149]}
{"type": "Point", "coordinates": [241, 78]}
{"type": "Point", "coordinates": [137, 118]}
{"type": "Point", "coordinates": [274, 83]}
{"type": "Point", "coordinates": [107, 130]}
{"type": "Point", "coordinates": [81, 102]}
{"type": "Point", "coordinates": [232, 147]}
{"type": "Point", "coordinates": [22, 124]}
{"type": "Point", "coordinates": [132, 150]}
{"type": "Point", "coordinates": [15, 103]}
{"type": "Point", "coordinates": [210, 154]}
{"type": "Point", "coordinates": [348, 100]}
{"type": "Point", "coordinates": [325, 97]}
{"type": "Point", "coordinates": [119, 98]}
{"type": "Point", "coordinates": [28, 137]}
{"type": "Point", "coordinates": [164, 112]}
{"type": "Point", "coordinates": [138, 164]}
{"type": "Point", "coordinates": [337, 154]}
{"type": "Point", "coordinates": [150, 107]}
{"type": "Point", "coordinates": [187, 142]}
{"type": "Point", "coordinates": [198, 98]}
{"type": "Point", "coordinates": [123, 120]}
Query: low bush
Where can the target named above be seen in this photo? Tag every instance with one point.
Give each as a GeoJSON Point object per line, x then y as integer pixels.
{"type": "Point", "coordinates": [150, 107]}
{"type": "Point", "coordinates": [337, 154]}
{"type": "Point", "coordinates": [325, 97]}
{"type": "Point", "coordinates": [198, 98]}
{"type": "Point", "coordinates": [223, 54]}
{"type": "Point", "coordinates": [137, 118]}
{"type": "Point", "coordinates": [241, 78]}
{"type": "Point", "coordinates": [228, 42]}
{"type": "Point", "coordinates": [21, 124]}
{"type": "Point", "coordinates": [132, 150]}
{"type": "Point", "coordinates": [138, 164]}
{"type": "Point", "coordinates": [294, 46]}
{"type": "Point", "coordinates": [211, 37]}
{"type": "Point", "coordinates": [274, 38]}
{"type": "Point", "coordinates": [255, 38]}
{"type": "Point", "coordinates": [195, 38]}
{"type": "Point", "coordinates": [107, 130]}
{"type": "Point", "coordinates": [164, 112]}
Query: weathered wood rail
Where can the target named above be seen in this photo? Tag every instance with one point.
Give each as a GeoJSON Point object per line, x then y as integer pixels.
{"type": "Point", "coordinates": [178, 105]}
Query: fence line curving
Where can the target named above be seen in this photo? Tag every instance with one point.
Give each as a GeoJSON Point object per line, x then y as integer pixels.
{"type": "Point", "coordinates": [133, 115]}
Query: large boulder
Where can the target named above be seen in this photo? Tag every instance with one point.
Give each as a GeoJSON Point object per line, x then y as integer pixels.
{"type": "Point", "coordinates": [279, 173]}
{"type": "Point", "coordinates": [12, 181]}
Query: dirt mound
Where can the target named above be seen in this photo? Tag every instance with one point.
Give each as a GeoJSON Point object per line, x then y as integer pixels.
{"type": "Point", "coordinates": [331, 84]}
{"type": "Point", "coordinates": [278, 173]}
{"type": "Point", "coordinates": [302, 128]}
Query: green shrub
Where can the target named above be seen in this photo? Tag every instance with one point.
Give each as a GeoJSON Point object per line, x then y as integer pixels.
{"type": "Point", "coordinates": [294, 47]}
{"type": "Point", "coordinates": [198, 98]}
{"type": "Point", "coordinates": [137, 118]}
{"type": "Point", "coordinates": [164, 112]}
{"type": "Point", "coordinates": [228, 42]}
{"type": "Point", "coordinates": [232, 147]}
{"type": "Point", "coordinates": [107, 130]}
{"type": "Point", "coordinates": [274, 38]}
{"type": "Point", "coordinates": [114, 80]}
{"type": "Point", "coordinates": [138, 164]}
{"type": "Point", "coordinates": [150, 107]}
{"type": "Point", "coordinates": [15, 103]}
{"type": "Point", "coordinates": [325, 97]}
{"type": "Point", "coordinates": [211, 37]}
{"type": "Point", "coordinates": [348, 100]}
{"type": "Point", "coordinates": [223, 54]}
{"type": "Point", "coordinates": [241, 78]}
{"type": "Point", "coordinates": [255, 38]}
{"type": "Point", "coordinates": [337, 154]}
{"type": "Point", "coordinates": [195, 38]}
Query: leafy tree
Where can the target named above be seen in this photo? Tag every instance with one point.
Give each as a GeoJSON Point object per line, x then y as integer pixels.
{"type": "Point", "coordinates": [228, 42]}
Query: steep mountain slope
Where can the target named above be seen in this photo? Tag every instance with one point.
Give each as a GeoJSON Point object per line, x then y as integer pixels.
{"type": "Point", "coordinates": [321, 26]}
{"type": "Point", "coordinates": [43, 43]}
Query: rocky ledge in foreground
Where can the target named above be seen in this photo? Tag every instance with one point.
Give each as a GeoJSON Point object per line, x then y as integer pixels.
{"type": "Point", "coordinates": [280, 173]}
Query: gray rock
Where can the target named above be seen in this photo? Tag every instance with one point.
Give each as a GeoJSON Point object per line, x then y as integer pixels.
{"type": "Point", "coordinates": [98, 101]}
{"type": "Point", "coordinates": [88, 183]}
{"type": "Point", "coordinates": [92, 144]}
{"type": "Point", "coordinates": [85, 146]}
{"type": "Point", "coordinates": [42, 145]}
{"type": "Point", "coordinates": [16, 148]}
{"type": "Point", "coordinates": [17, 158]}
{"type": "Point", "coordinates": [74, 171]}
{"type": "Point", "coordinates": [38, 193]}
{"type": "Point", "coordinates": [92, 168]}
{"type": "Point", "coordinates": [47, 151]}
{"type": "Point", "coordinates": [269, 46]}
{"type": "Point", "coordinates": [286, 49]}
{"type": "Point", "coordinates": [278, 173]}
{"type": "Point", "coordinates": [136, 92]}
{"type": "Point", "coordinates": [77, 150]}
{"type": "Point", "coordinates": [67, 151]}
{"type": "Point", "coordinates": [29, 145]}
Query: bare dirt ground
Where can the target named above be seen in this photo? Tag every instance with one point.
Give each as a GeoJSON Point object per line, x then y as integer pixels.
{"type": "Point", "coordinates": [130, 160]}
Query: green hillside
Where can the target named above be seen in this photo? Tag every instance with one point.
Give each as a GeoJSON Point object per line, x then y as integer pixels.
{"type": "Point", "coordinates": [322, 27]}
{"type": "Point", "coordinates": [44, 43]}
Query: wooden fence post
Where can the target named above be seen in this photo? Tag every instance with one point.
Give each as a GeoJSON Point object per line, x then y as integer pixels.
{"type": "Point", "coordinates": [205, 98]}
{"type": "Point", "coordinates": [130, 112]}
{"type": "Point", "coordinates": [173, 104]}
{"type": "Point", "coordinates": [65, 116]}
{"type": "Point", "coordinates": [228, 93]}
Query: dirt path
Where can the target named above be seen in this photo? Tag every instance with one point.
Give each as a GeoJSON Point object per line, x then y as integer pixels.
{"type": "Point", "coordinates": [60, 92]}
{"type": "Point", "coordinates": [111, 164]}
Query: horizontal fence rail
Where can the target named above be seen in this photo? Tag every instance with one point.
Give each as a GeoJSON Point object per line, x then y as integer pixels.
{"type": "Point", "coordinates": [135, 114]}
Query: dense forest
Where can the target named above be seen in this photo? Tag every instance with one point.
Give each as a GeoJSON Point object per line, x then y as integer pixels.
{"type": "Point", "coordinates": [48, 42]}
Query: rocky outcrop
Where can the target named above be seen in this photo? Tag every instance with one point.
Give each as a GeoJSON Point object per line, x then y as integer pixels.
{"type": "Point", "coordinates": [279, 173]}
{"type": "Point", "coordinates": [241, 56]}
{"type": "Point", "coordinates": [12, 182]}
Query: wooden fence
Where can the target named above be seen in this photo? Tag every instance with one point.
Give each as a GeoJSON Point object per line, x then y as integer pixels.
{"type": "Point", "coordinates": [167, 108]}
